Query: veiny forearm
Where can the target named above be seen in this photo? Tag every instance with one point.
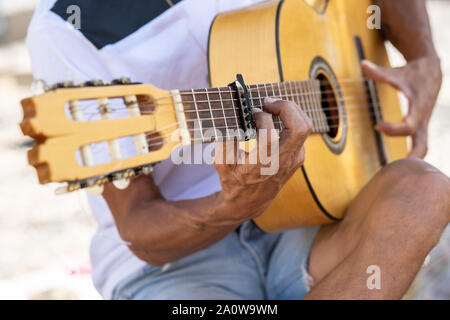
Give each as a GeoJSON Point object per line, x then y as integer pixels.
{"type": "Point", "coordinates": [161, 231]}
{"type": "Point", "coordinates": [405, 23]}
{"type": "Point", "coordinates": [166, 231]}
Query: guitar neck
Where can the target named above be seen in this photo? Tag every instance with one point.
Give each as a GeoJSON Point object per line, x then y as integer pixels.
{"type": "Point", "coordinates": [214, 114]}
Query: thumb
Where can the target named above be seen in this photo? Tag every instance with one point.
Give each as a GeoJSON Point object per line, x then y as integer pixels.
{"type": "Point", "coordinates": [392, 76]}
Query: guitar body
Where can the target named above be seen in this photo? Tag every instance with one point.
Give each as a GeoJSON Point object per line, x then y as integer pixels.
{"type": "Point", "coordinates": [298, 39]}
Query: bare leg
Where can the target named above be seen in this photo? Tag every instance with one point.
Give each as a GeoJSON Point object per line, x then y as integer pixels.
{"type": "Point", "coordinates": [393, 224]}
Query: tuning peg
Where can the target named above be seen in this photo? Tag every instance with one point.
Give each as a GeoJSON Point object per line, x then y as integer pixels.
{"type": "Point", "coordinates": [62, 190]}
{"type": "Point", "coordinates": [70, 187]}
{"type": "Point", "coordinates": [38, 87]}
{"type": "Point", "coordinates": [121, 184]}
{"type": "Point", "coordinates": [147, 170]}
{"type": "Point", "coordinates": [123, 80]}
{"type": "Point", "coordinates": [62, 85]}
{"type": "Point", "coordinates": [93, 83]}
{"type": "Point", "coordinates": [96, 190]}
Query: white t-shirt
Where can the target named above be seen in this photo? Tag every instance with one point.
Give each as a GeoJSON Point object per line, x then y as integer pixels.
{"type": "Point", "coordinates": [169, 51]}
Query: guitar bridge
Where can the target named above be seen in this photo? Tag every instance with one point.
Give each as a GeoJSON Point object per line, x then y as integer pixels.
{"type": "Point", "coordinates": [248, 123]}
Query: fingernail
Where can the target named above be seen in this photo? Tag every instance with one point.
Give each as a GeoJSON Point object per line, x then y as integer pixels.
{"type": "Point", "coordinates": [378, 127]}
{"type": "Point", "coordinates": [368, 63]}
{"type": "Point", "coordinates": [270, 100]}
{"type": "Point", "coordinates": [256, 110]}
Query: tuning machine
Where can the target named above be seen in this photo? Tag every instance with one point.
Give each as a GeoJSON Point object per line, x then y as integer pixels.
{"type": "Point", "coordinates": [95, 185]}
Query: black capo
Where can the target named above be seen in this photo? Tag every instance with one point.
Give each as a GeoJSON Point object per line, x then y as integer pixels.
{"type": "Point", "coordinates": [248, 123]}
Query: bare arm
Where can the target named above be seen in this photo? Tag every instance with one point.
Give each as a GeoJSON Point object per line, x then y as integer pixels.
{"type": "Point", "coordinates": [161, 231]}
{"type": "Point", "coordinates": [405, 23]}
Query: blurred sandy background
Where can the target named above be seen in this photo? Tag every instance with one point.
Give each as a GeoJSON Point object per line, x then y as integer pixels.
{"type": "Point", "coordinates": [44, 239]}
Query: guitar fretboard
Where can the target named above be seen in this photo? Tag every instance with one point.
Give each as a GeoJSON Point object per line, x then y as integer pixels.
{"type": "Point", "coordinates": [217, 109]}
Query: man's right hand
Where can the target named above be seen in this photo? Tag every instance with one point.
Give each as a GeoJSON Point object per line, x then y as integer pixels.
{"type": "Point", "coordinates": [244, 188]}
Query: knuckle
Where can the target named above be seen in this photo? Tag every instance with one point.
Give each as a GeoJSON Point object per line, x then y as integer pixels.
{"type": "Point", "coordinates": [411, 126]}
{"type": "Point", "coordinates": [410, 130]}
{"type": "Point", "coordinates": [292, 104]}
{"type": "Point", "coordinates": [290, 107]}
{"type": "Point", "coordinates": [266, 116]}
{"type": "Point", "coordinates": [303, 128]}
{"type": "Point", "coordinates": [310, 125]}
{"type": "Point", "coordinates": [301, 159]}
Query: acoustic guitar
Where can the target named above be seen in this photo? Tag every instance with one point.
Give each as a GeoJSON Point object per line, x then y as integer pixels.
{"type": "Point", "coordinates": [306, 51]}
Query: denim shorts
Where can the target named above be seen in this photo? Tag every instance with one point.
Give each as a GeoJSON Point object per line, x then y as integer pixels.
{"type": "Point", "coordinates": [247, 264]}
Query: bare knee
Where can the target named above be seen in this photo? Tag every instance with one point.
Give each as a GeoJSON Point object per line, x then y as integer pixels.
{"type": "Point", "coordinates": [423, 193]}
{"type": "Point", "coordinates": [416, 174]}
{"type": "Point", "coordinates": [410, 167]}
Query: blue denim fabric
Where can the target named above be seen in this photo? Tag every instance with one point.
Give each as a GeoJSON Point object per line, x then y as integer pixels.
{"type": "Point", "coordinates": [247, 264]}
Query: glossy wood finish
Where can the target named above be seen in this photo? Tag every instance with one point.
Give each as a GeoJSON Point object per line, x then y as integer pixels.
{"type": "Point", "coordinates": [277, 40]}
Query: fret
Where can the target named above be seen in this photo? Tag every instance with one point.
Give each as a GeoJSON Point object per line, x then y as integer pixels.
{"type": "Point", "coordinates": [250, 95]}
{"type": "Point", "coordinates": [259, 96]}
{"type": "Point", "coordinates": [279, 90]}
{"type": "Point", "coordinates": [306, 96]}
{"type": "Point", "coordinates": [199, 122]}
{"type": "Point", "coordinates": [309, 103]}
{"type": "Point", "coordinates": [271, 94]}
{"type": "Point", "coordinates": [267, 95]}
{"type": "Point", "coordinates": [220, 112]}
{"type": "Point", "coordinates": [297, 93]}
{"type": "Point", "coordinates": [216, 110]}
{"type": "Point", "coordinates": [315, 105]}
{"type": "Point", "coordinates": [285, 94]}
{"type": "Point", "coordinates": [210, 111]}
{"type": "Point", "coordinates": [287, 86]}
{"type": "Point", "coordinates": [291, 93]}
{"type": "Point", "coordinates": [277, 118]}
{"type": "Point", "coordinates": [223, 111]}
{"type": "Point", "coordinates": [235, 115]}
{"type": "Point", "coordinates": [142, 146]}
{"type": "Point", "coordinates": [302, 99]}
{"type": "Point", "coordinates": [323, 117]}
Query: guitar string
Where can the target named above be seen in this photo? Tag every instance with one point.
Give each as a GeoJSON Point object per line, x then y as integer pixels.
{"type": "Point", "coordinates": [144, 108]}
{"type": "Point", "coordinates": [282, 93]}
{"type": "Point", "coordinates": [208, 90]}
{"type": "Point", "coordinates": [361, 93]}
{"type": "Point", "coordinates": [219, 91]}
{"type": "Point", "coordinates": [286, 94]}
{"type": "Point", "coordinates": [95, 148]}
{"type": "Point", "coordinates": [347, 124]}
{"type": "Point", "coordinates": [323, 116]}
{"type": "Point", "coordinates": [259, 98]}
{"type": "Point", "coordinates": [291, 98]}
{"type": "Point", "coordinates": [258, 89]}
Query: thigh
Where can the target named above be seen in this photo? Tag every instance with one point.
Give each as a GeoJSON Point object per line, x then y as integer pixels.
{"type": "Point", "coordinates": [373, 208]}
{"type": "Point", "coordinates": [225, 271]}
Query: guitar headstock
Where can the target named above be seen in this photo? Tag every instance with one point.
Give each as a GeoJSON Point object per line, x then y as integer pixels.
{"type": "Point", "coordinates": [81, 131]}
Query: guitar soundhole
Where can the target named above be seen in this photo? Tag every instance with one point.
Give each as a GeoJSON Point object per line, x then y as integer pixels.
{"type": "Point", "coordinates": [329, 105]}
{"type": "Point", "coordinates": [332, 104]}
